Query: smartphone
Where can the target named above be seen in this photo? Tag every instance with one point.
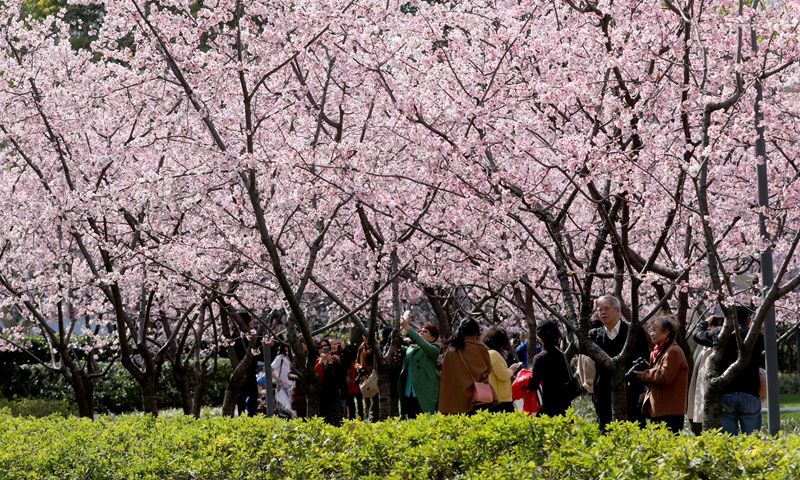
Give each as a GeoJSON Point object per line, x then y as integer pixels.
{"type": "Point", "coordinates": [326, 350]}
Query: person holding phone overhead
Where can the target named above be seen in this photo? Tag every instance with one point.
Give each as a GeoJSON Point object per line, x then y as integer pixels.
{"type": "Point", "coordinates": [419, 382]}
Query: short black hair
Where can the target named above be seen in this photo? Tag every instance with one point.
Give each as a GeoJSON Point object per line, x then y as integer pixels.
{"type": "Point", "coordinates": [742, 314]}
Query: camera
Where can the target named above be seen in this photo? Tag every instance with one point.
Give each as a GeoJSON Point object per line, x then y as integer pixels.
{"type": "Point", "coordinates": [639, 365]}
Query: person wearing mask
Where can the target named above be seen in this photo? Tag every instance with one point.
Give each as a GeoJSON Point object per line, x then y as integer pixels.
{"type": "Point", "coordinates": [668, 376]}
{"type": "Point", "coordinates": [496, 340]}
{"type": "Point", "coordinates": [551, 372]}
{"type": "Point", "coordinates": [466, 361]}
{"type": "Point", "coordinates": [418, 384]}
{"type": "Point", "coordinates": [741, 403]}
{"type": "Point", "coordinates": [611, 337]}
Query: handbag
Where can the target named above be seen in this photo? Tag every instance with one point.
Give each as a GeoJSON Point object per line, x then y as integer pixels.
{"type": "Point", "coordinates": [643, 404]}
{"type": "Point", "coordinates": [369, 387]}
{"type": "Point", "coordinates": [481, 392]}
{"type": "Point", "coordinates": [572, 389]}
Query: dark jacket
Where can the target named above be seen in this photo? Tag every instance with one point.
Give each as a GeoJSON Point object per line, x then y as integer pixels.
{"type": "Point", "coordinates": [747, 380]}
{"type": "Point", "coordinates": [550, 368]}
{"type": "Point", "coordinates": [602, 378]}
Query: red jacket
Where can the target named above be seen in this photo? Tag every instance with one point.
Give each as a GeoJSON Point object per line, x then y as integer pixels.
{"type": "Point", "coordinates": [519, 389]}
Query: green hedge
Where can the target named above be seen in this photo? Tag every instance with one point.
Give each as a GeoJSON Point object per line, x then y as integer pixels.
{"type": "Point", "coordinates": [38, 407]}
{"type": "Point", "coordinates": [486, 446]}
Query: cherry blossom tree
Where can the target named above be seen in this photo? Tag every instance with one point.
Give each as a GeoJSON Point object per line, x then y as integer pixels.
{"type": "Point", "coordinates": [505, 159]}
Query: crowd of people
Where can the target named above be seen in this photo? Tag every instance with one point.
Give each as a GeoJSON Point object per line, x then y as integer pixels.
{"type": "Point", "coordinates": [476, 370]}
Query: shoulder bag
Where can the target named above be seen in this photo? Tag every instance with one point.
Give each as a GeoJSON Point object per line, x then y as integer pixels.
{"type": "Point", "coordinates": [482, 392]}
{"type": "Point", "coordinates": [369, 387]}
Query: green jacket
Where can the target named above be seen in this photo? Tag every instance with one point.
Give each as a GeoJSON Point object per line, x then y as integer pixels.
{"type": "Point", "coordinates": [421, 358]}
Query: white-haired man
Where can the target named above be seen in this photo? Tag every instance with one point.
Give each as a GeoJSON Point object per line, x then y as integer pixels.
{"type": "Point", "coordinates": [611, 339]}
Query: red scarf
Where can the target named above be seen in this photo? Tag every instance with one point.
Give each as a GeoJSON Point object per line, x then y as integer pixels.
{"type": "Point", "coordinates": [657, 349]}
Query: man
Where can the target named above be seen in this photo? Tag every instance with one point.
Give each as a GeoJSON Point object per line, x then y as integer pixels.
{"type": "Point", "coordinates": [610, 337]}
{"type": "Point", "coordinates": [522, 352]}
{"type": "Point", "coordinates": [741, 404]}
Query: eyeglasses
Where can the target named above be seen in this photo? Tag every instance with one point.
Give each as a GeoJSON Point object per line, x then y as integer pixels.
{"type": "Point", "coordinates": [422, 330]}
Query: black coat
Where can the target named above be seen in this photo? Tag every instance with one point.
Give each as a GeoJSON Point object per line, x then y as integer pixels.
{"type": "Point", "coordinates": [747, 380]}
{"type": "Point", "coordinates": [551, 369]}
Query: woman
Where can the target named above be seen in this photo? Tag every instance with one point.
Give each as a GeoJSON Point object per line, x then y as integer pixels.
{"type": "Point", "coordinates": [280, 375]}
{"type": "Point", "coordinates": [364, 361]}
{"type": "Point", "coordinates": [668, 376]}
{"type": "Point", "coordinates": [466, 361]}
{"type": "Point", "coordinates": [330, 374]}
{"type": "Point", "coordinates": [697, 383]}
{"type": "Point", "coordinates": [353, 393]}
{"type": "Point", "coordinates": [419, 382]}
{"type": "Point", "coordinates": [550, 369]}
{"type": "Point", "coordinates": [496, 340]}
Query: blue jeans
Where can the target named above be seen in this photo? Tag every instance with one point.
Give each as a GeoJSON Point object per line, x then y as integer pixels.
{"type": "Point", "coordinates": [740, 408]}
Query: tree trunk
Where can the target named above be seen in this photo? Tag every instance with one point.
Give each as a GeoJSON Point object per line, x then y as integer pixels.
{"type": "Point", "coordinates": [384, 396]}
{"type": "Point", "coordinates": [311, 385]}
{"type": "Point", "coordinates": [712, 405]}
{"type": "Point", "coordinates": [531, 349]}
{"type": "Point", "coordinates": [149, 390]}
{"type": "Point", "coordinates": [355, 336]}
{"type": "Point", "coordinates": [84, 393]}
{"type": "Point", "coordinates": [181, 377]}
{"type": "Point", "coordinates": [82, 386]}
{"type": "Point", "coordinates": [201, 376]}
{"type": "Point", "coordinates": [619, 400]}
{"type": "Point", "coordinates": [235, 382]}
{"type": "Point", "coordinates": [197, 395]}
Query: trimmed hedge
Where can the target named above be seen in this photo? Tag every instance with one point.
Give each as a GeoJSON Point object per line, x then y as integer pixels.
{"type": "Point", "coordinates": [486, 446]}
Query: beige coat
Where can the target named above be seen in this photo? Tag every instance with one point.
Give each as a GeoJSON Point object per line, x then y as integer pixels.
{"type": "Point", "coordinates": [456, 387]}
{"type": "Point", "coordinates": [669, 382]}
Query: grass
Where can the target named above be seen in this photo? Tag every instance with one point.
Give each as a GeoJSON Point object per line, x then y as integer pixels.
{"type": "Point", "coordinates": [790, 400]}
{"type": "Point", "coordinates": [788, 419]}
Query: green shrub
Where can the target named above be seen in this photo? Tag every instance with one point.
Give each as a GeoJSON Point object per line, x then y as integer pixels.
{"type": "Point", "coordinates": [38, 407]}
{"type": "Point", "coordinates": [789, 382]}
{"type": "Point", "coordinates": [485, 446]}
